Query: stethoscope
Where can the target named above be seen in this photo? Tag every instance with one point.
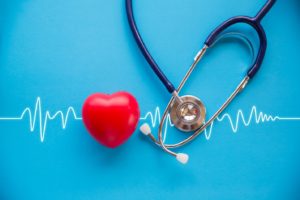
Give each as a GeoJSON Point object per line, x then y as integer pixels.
{"type": "Point", "coordinates": [187, 113]}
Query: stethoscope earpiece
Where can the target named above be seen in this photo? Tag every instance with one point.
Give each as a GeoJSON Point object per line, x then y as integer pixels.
{"type": "Point", "coordinates": [182, 158]}
{"type": "Point", "coordinates": [187, 113]}
{"type": "Point", "coordinates": [146, 130]}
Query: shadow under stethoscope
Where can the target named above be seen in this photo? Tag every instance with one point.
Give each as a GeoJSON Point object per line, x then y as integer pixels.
{"type": "Point", "coordinates": [297, 6]}
{"type": "Point", "coordinates": [9, 13]}
{"type": "Point", "coordinates": [9, 10]}
{"type": "Point", "coordinates": [295, 189]}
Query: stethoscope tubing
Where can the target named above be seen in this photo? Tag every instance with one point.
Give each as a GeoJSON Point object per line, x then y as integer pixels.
{"type": "Point", "coordinates": [254, 22]}
{"type": "Point", "coordinates": [260, 31]}
{"type": "Point", "coordinates": [159, 73]}
{"type": "Point", "coordinates": [211, 39]}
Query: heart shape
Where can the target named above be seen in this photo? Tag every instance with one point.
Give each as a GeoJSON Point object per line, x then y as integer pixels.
{"type": "Point", "coordinates": [111, 119]}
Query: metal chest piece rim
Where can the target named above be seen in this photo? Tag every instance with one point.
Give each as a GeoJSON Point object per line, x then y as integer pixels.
{"type": "Point", "coordinates": [188, 114]}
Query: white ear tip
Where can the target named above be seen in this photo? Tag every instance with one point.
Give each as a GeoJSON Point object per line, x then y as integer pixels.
{"type": "Point", "coordinates": [182, 157]}
{"type": "Point", "coordinates": [145, 129]}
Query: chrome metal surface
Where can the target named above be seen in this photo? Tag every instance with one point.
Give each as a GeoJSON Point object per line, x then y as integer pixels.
{"type": "Point", "coordinates": [202, 127]}
{"type": "Point", "coordinates": [188, 115]}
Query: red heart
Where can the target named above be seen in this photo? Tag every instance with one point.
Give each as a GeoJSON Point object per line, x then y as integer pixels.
{"type": "Point", "coordinates": [111, 119]}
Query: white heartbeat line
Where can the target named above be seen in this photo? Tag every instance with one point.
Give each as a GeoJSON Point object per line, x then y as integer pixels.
{"type": "Point", "coordinates": [38, 119]}
{"type": "Point", "coordinates": [254, 116]}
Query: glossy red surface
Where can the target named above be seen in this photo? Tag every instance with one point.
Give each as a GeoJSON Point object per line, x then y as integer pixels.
{"type": "Point", "coordinates": [111, 119]}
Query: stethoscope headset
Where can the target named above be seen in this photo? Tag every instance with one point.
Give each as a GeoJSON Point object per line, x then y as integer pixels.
{"type": "Point", "coordinates": [187, 112]}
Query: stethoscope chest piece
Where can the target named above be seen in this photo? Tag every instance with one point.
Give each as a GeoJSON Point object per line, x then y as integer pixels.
{"type": "Point", "coordinates": [188, 114]}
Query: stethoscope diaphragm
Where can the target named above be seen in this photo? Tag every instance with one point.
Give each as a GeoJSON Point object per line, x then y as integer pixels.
{"type": "Point", "coordinates": [188, 114]}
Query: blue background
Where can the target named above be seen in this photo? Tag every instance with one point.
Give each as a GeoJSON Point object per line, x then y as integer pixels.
{"type": "Point", "coordinates": [62, 51]}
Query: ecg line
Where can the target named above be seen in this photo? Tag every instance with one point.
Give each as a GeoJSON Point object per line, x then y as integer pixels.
{"type": "Point", "coordinates": [254, 116]}
{"type": "Point", "coordinates": [39, 119]}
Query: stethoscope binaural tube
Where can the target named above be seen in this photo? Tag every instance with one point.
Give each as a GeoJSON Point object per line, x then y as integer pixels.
{"type": "Point", "coordinates": [213, 37]}
{"type": "Point", "coordinates": [255, 23]}
{"type": "Point", "coordinates": [154, 66]}
{"type": "Point", "coordinates": [163, 78]}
